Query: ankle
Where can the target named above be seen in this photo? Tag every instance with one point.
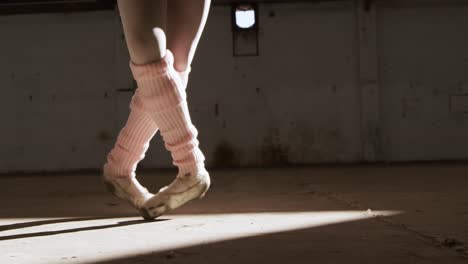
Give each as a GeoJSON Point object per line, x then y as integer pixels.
{"type": "Point", "coordinates": [192, 170]}
{"type": "Point", "coordinates": [111, 171]}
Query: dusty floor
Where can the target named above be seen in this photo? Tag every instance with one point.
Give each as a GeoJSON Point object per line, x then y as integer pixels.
{"type": "Point", "coordinates": [413, 213]}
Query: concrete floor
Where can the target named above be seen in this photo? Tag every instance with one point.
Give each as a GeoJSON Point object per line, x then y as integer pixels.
{"type": "Point", "coordinates": [413, 213]}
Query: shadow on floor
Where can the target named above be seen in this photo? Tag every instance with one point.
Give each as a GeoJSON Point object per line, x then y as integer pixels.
{"type": "Point", "coordinates": [48, 222]}
{"type": "Point", "coordinates": [65, 231]}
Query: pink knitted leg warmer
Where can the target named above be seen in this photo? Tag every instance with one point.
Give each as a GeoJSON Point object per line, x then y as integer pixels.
{"type": "Point", "coordinates": [134, 138]}
{"type": "Point", "coordinates": [132, 142]}
{"type": "Point", "coordinates": [163, 96]}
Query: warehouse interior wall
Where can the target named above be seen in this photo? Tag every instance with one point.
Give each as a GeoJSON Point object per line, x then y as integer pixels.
{"type": "Point", "coordinates": [333, 82]}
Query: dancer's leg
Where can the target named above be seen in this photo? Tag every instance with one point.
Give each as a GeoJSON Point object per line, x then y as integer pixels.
{"type": "Point", "coordinates": [171, 113]}
{"type": "Point", "coordinates": [185, 23]}
{"type": "Point", "coordinates": [162, 95]}
{"type": "Point", "coordinates": [165, 99]}
{"type": "Point", "coordinates": [138, 19]}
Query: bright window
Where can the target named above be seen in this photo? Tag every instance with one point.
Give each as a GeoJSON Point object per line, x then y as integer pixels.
{"type": "Point", "coordinates": [245, 16]}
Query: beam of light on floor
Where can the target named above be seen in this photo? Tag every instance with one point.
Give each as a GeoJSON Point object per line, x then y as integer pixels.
{"type": "Point", "coordinates": [115, 238]}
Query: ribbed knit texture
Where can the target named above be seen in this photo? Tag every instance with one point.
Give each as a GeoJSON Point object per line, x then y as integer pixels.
{"type": "Point", "coordinates": [163, 96]}
{"type": "Point", "coordinates": [134, 138]}
{"type": "Point", "coordinates": [132, 142]}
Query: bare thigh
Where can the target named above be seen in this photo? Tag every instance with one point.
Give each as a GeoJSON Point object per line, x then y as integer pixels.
{"type": "Point", "coordinates": [139, 17]}
{"type": "Point", "coordinates": [183, 22]}
{"type": "Point", "coordinates": [186, 21]}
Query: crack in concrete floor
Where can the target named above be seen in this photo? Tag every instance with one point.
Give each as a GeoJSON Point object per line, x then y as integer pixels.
{"type": "Point", "coordinates": [439, 242]}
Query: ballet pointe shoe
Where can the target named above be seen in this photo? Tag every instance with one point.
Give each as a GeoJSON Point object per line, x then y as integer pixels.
{"type": "Point", "coordinates": [128, 189]}
{"type": "Point", "coordinates": [182, 190]}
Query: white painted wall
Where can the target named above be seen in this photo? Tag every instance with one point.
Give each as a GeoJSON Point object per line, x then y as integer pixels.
{"type": "Point", "coordinates": [310, 96]}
